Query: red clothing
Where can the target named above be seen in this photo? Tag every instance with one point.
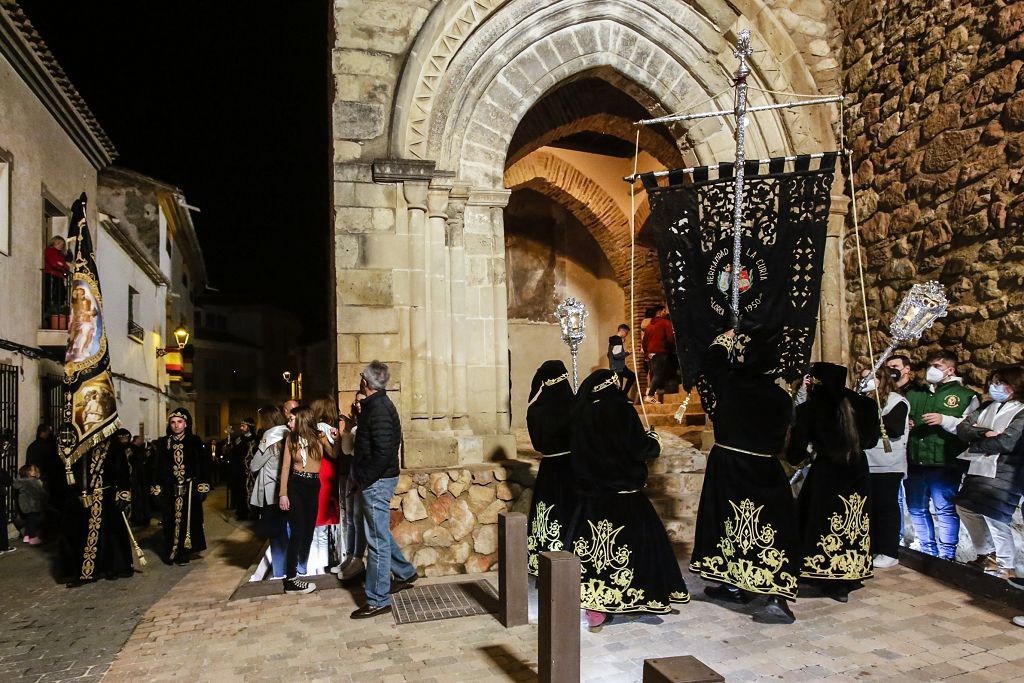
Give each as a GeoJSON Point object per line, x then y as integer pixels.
{"type": "Point", "coordinates": [329, 509]}
{"type": "Point", "coordinates": [54, 262]}
{"type": "Point", "coordinates": [658, 337]}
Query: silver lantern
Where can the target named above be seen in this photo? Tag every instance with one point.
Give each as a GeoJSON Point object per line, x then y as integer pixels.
{"type": "Point", "coordinates": [572, 317]}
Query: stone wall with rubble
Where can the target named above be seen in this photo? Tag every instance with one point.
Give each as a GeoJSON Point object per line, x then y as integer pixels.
{"type": "Point", "coordinates": [446, 520]}
{"type": "Point", "coordinates": [937, 132]}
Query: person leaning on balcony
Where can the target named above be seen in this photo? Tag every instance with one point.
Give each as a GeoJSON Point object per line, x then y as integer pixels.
{"type": "Point", "coordinates": [991, 491]}
{"type": "Point", "coordinates": [55, 270]}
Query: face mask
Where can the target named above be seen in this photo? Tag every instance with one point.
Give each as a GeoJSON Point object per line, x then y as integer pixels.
{"type": "Point", "coordinates": [999, 393]}
{"type": "Point", "coordinates": [868, 385]}
{"type": "Point", "coordinates": [934, 375]}
{"type": "Point", "coordinates": [895, 374]}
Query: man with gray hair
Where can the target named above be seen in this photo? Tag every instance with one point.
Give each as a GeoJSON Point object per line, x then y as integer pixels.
{"type": "Point", "coordinates": [375, 475]}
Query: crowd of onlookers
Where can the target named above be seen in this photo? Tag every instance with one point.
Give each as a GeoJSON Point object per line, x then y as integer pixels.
{"type": "Point", "coordinates": [659, 361]}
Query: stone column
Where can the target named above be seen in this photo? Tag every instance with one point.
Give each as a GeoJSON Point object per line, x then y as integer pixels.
{"type": "Point", "coordinates": [832, 319]}
{"type": "Point", "coordinates": [456, 241]}
{"type": "Point", "coordinates": [439, 304]}
{"type": "Point", "coordinates": [417, 385]}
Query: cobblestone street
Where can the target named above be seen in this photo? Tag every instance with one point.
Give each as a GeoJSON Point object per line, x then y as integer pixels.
{"type": "Point", "coordinates": [50, 633]}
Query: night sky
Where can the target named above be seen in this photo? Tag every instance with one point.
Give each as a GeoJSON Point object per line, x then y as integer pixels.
{"type": "Point", "coordinates": [228, 101]}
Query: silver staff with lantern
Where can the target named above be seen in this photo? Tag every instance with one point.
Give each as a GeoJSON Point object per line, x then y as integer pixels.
{"type": "Point", "coordinates": [572, 318]}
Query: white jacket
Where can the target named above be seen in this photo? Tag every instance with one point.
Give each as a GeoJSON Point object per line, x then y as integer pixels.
{"type": "Point", "coordinates": [266, 463]}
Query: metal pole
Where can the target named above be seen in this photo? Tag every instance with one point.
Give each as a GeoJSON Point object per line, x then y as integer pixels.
{"type": "Point", "coordinates": [742, 52]}
{"type": "Point", "coordinates": [574, 350]}
{"type": "Point", "coordinates": [711, 167]}
{"type": "Point", "coordinates": [725, 112]}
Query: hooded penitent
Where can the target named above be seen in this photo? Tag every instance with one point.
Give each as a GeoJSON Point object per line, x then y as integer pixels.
{"type": "Point", "coordinates": [549, 422]}
{"type": "Point", "coordinates": [627, 562]}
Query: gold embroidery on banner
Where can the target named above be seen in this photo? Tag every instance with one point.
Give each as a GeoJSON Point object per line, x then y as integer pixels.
{"type": "Point", "coordinates": [745, 535]}
{"type": "Point", "coordinates": [92, 535]}
{"type": "Point", "coordinates": [545, 534]}
{"type": "Point", "coordinates": [600, 553]}
{"type": "Point", "coordinates": [846, 550]}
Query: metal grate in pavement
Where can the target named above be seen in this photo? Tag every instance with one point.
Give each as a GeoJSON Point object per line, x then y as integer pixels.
{"type": "Point", "coordinates": [444, 601]}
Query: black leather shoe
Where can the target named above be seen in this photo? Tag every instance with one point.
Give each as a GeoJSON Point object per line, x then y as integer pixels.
{"type": "Point", "coordinates": [75, 583]}
{"type": "Point", "coordinates": [775, 612]}
{"type": "Point", "coordinates": [726, 593]}
{"type": "Point", "coordinates": [400, 585]}
{"type": "Point", "coordinates": [839, 592]}
{"type": "Point", "coordinates": [367, 611]}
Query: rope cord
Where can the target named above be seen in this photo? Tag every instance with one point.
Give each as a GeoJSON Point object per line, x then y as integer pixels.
{"type": "Point", "coordinates": [694, 106]}
{"type": "Point", "coordinates": [860, 264]}
{"type": "Point", "coordinates": [632, 271]}
{"type": "Point", "coordinates": [783, 92]}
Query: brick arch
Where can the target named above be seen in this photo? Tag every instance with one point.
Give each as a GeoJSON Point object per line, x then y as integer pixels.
{"type": "Point", "coordinates": [562, 182]}
{"type": "Point", "coordinates": [616, 126]}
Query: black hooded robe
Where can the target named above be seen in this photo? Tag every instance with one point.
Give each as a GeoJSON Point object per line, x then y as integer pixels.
{"type": "Point", "coordinates": [835, 540]}
{"type": "Point", "coordinates": [182, 477]}
{"type": "Point", "coordinates": [746, 534]}
{"type": "Point", "coordinates": [95, 542]}
{"type": "Point", "coordinates": [549, 421]}
{"type": "Point", "coordinates": [627, 561]}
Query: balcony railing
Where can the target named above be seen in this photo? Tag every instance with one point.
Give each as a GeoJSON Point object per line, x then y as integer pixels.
{"type": "Point", "coordinates": [136, 332]}
{"type": "Point", "coordinates": [55, 307]}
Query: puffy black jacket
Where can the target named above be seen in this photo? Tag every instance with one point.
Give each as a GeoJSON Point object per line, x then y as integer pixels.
{"type": "Point", "coordinates": [378, 438]}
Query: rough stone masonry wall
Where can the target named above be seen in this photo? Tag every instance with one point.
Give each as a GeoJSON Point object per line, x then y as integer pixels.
{"type": "Point", "coordinates": [937, 131]}
{"type": "Point", "coordinates": [446, 520]}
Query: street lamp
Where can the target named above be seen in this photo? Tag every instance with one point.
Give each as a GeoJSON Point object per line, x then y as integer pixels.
{"type": "Point", "coordinates": [181, 336]}
{"type": "Point", "coordinates": [294, 385]}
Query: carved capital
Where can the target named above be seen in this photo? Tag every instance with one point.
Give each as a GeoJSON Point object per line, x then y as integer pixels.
{"type": "Point", "coordinates": [402, 170]}
{"type": "Point", "coordinates": [415, 194]}
{"type": "Point", "coordinates": [492, 198]}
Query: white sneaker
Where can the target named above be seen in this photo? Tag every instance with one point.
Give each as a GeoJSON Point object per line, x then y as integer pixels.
{"type": "Point", "coordinates": [352, 569]}
{"type": "Point", "coordinates": [884, 562]}
{"type": "Point", "coordinates": [1019, 621]}
{"type": "Point", "coordinates": [8, 551]}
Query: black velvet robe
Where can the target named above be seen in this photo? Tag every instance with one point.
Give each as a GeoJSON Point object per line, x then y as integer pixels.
{"type": "Point", "coordinates": [746, 534]}
{"type": "Point", "coordinates": [182, 478]}
{"type": "Point", "coordinates": [95, 542]}
{"type": "Point", "coordinates": [627, 561]}
{"type": "Point", "coordinates": [549, 419]}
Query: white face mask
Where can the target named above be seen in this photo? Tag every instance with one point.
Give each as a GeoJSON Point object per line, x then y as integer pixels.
{"type": "Point", "coordinates": [868, 385]}
{"type": "Point", "coordinates": [934, 375]}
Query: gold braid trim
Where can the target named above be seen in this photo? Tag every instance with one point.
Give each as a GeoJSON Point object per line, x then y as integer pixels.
{"type": "Point", "coordinates": [178, 468]}
{"type": "Point", "coordinates": [564, 377]}
{"type": "Point", "coordinates": [724, 340]}
{"type": "Point", "coordinates": [154, 490]}
{"type": "Point", "coordinates": [611, 381]}
{"type": "Point", "coordinates": [92, 535]}
{"type": "Point", "coordinates": [124, 495]}
{"type": "Point", "coordinates": [203, 488]}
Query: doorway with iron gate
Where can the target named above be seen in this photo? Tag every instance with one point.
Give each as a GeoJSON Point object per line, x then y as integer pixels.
{"type": "Point", "coordinates": [9, 424]}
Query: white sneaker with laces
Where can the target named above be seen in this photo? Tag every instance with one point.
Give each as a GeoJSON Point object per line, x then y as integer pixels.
{"type": "Point", "coordinates": [884, 562]}
{"type": "Point", "coordinates": [298, 586]}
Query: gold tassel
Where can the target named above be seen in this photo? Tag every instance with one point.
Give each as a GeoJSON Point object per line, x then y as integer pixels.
{"type": "Point", "coordinates": [135, 544]}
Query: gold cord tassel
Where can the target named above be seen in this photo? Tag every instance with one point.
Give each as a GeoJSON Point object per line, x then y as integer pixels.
{"type": "Point", "coordinates": [135, 544]}
{"type": "Point", "coordinates": [188, 523]}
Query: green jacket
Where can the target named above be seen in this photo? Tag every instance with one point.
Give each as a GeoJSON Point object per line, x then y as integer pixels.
{"type": "Point", "coordinates": [935, 446]}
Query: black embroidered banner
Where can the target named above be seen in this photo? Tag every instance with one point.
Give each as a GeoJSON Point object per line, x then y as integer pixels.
{"type": "Point", "coordinates": [785, 219]}
{"type": "Point", "coordinates": [90, 409]}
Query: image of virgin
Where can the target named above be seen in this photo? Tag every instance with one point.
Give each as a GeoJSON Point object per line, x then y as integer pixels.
{"type": "Point", "coordinates": [86, 324]}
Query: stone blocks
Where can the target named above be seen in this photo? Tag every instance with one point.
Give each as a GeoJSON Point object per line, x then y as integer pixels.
{"type": "Point", "coordinates": [449, 523]}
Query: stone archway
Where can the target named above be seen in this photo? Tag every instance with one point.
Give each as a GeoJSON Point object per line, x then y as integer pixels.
{"type": "Point", "coordinates": [420, 255]}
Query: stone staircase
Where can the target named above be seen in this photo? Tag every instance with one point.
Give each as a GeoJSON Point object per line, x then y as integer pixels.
{"type": "Point", "coordinates": [676, 478]}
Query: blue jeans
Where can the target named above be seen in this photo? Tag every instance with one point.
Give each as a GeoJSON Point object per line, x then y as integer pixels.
{"type": "Point", "coordinates": [355, 539]}
{"type": "Point", "coordinates": [384, 557]}
{"type": "Point", "coordinates": [938, 486]}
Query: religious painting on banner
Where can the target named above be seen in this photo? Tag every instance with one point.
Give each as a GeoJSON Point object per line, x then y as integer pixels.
{"type": "Point", "coordinates": [785, 220]}
{"type": "Point", "coordinates": [89, 414]}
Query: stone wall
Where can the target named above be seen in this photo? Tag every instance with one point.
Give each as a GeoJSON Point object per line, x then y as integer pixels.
{"type": "Point", "coordinates": [446, 520]}
{"type": "Point", "coordinates": [937, 131]}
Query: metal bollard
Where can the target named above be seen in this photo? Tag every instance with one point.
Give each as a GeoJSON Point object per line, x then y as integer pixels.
{"type": "Point", "coordinates": [558, 649]}
{"type": "Point", "coordinates": [512, 576]}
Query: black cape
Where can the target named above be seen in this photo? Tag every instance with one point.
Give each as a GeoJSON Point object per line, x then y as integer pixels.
{"type": "Point", "coordinates": [554, 500]}
{"type": "Point", "coordinates": [627, 562]}
{"type": "Point", "coordinates": [835, 542]}
{"type": "Point", "coordinates": [95, 542]}
{"type": "Point", "coordinates": [746, 534]}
